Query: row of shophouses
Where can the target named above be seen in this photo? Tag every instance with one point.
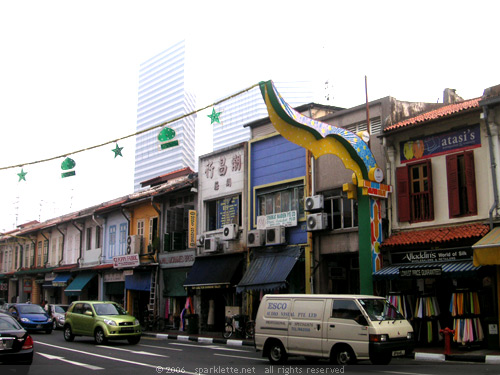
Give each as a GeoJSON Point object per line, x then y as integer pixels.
{"type": "Point", "coordinates": [264, 216]}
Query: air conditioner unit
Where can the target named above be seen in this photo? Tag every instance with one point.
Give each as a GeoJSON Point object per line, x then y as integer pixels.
{"type": "Point", "coordinates": [314, 203]}
{"type": "Point", "coordinates": [256, 238]}
{"type": "Point", "coordinates": [200, 240]}
{"type": "Point", "coordinates": [317, 221]}
{"type": "Point", "coordinates": [275, 236]}
{"type": "Point", "coordinates": [212, 245]}
{"type": "Point", "coordinates": [230, 232]}
{"type": "Point", "coordinates": [134, 244]}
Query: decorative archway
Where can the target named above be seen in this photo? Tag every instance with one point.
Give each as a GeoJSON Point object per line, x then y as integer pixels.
{"type": "Point", "coordinates": [320, 139]}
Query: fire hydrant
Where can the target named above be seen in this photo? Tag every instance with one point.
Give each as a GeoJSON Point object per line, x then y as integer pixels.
{"type": "Point", "coordinates": [448, 333]}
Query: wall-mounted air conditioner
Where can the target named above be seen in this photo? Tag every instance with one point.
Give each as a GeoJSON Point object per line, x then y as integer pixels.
{"type": "Point", "coordinates": [256, 238]}
{"type": "Point", "coordinates": [134, 244]}
{"type": "Point", "coordinates": [314, 203]}
{"type": "Point", "coordinates": [212, 245]}
{"type": "Point", "coordinates": [317, 221]}
{"type": "Point", "coordinates": [275, 236]}
{"type": "Point", "coordinates": [230, 232]}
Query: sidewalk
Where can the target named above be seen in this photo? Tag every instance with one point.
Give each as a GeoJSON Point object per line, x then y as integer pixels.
{"type": "Point", "coordinates": [434, 354]}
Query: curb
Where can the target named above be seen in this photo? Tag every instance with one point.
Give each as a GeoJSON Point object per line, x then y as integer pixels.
{"type": "Point", "coordinates": [204, 340]}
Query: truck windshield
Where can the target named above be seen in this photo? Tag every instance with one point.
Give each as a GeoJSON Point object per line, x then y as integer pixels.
{"type": "Point", "coordinates": [380, 309]}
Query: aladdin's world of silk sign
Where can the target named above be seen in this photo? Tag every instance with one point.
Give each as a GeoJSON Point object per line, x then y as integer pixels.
{"type": "Point", "coordinates": [438, 144]}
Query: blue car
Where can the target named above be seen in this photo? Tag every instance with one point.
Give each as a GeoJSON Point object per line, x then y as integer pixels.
{"type": "Point", "coordinates": [32, 317]}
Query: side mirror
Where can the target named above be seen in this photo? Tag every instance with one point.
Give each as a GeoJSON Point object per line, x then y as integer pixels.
{"type": "Point", "coordinates": [88, 312]}
{"type": "Point", "coordinates": [14, 313]}
{"type": "Point", "coordinates": [361, 320]}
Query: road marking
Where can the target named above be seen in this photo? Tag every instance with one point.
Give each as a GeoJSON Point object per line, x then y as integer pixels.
{"type": "Point", "coordinates": [215, 347]}
{"type": "Point", "coordinates": [90, 367]}
{"type": "Point", "coordinates": [161, 347]}
{"type": "Point", "coordinates": [240, 357]}
{"type": "Point", "coordinates": [405, 373]}
{"type": "Point", "coordinates": [131, 351]}
{"type": "Point", "coordinates": [113, 359]}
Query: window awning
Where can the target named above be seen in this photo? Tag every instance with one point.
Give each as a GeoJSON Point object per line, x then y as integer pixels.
{"type": "Point", "coordinates": [61, 279]}
{"type": "Point", "coordinates": [487, 249]}
{"type": "Point", "coordinates": [450, 269]}
{"type": "Point", "coordinates": [269, 270]}
{"type": "Point", "coordinates": [77, 285]}
{"type": "Point", "coordinates": [213, 271]}
{"type": "Point", "coordinates": [140, 281]}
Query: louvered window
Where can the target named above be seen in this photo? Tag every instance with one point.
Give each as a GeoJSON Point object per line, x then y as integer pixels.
{"type": "Point", "coordinates": [461, 178]}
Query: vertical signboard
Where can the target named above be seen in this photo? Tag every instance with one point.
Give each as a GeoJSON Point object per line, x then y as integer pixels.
{"type": "Point", "coordinates": [192, 229]}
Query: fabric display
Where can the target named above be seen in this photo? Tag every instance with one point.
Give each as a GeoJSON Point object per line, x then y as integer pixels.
{"type": "Point", "coordinates": [463, 307]}
{"type": "Point", "coordinates": [402, 303]}
{"type": "Point", "coordinates": [426, 307]}
{"type": "Point", "coordinates": [427, 326]}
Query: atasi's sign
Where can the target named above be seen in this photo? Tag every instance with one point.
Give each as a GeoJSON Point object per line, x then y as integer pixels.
{"type": "Point", "coordinates": [126, 261]}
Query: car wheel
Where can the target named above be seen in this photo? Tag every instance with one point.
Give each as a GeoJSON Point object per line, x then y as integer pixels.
{"type": "Point", "coordinates": [68, 334]}
{"type": "Point", "coordinates": [134, 340]}
{"type": "Point", "coordinates": [277, 354]}
{"type": "Point", "coordinates": [343, 355]}
{"type": "Point", "coordinates": [54, 324]}
{"type": "Point", "coordinates": [100, 337]}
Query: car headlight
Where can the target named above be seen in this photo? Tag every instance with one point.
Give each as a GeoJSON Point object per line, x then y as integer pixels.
{"type": "Point", "coordinates": [49, 319]}
{"type": "Point", "coordinates": [110, 322]}
{"type": "Point", "coordinates": [137, 322]}
{"type": "Point", "coordinates": [61, 319]}
{"type": "Point", "coordinates": [25, 320]}
{"type": "Point", "coordinates": [409, 335]}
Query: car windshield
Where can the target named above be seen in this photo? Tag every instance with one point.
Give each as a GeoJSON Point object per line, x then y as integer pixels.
{"type": "Point", "coordinates": [60, 309]}
{"type": "Point", "coordinates": [380, 309]}
{"type": "Point", "coordinates": [30, 309]}
{"type": "Point", "coordinates": [7, 324]}
{"type": "Point", "coordinates": [109, 309]}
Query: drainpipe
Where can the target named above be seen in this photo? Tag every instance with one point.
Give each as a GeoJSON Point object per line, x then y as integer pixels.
{"type": "Point", "coordinates": [158, 210]}
{"type": "Point", "coordinates": [102, 245]}
{"type": "Point", "coordinates": [45, 264]}
{"type": "Point", "coordinates": [128, 220]}
{"type": "Point", "coordinates": [21, 262]}
{"type": "Point", "coordinates": [63, 243]}
{"type": "Point", "coordinates": [492, 164]}
{"type": "Point", "coordinates": [81, 242]}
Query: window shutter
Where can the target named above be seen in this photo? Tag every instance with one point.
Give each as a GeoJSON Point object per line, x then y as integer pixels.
{"type": "Point", "coordinates": [453, 187]}
{"type": "Point", "coordinates": [431, 195]}
{"type": "Point", "coordinates": [403, 193]}
{"type": "Point", "coordinates": [470, 177]}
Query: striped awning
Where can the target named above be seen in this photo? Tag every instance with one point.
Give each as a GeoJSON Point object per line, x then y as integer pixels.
{"type": "Point", "coordinates": [449, 269]}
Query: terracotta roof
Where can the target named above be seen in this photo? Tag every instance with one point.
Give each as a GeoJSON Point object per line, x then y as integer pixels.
{"type": "Point", "coordinates": [437, 235]}
{"type": "Point", "coordinates": [168, 176]}
{"type": "Point", "coordinates": [445, 111]}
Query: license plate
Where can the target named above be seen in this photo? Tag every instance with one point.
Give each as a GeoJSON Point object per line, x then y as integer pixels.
{"type": "Point", "coordinates": [398, 353]}
{"type": "Point", "coordinates": [127, 330]}
{"type": "Point", "coordinates": [39, 326]}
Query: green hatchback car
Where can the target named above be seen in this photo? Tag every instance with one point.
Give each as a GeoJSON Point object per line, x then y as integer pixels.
{"type": "Point", "coordinates": [103, 320]}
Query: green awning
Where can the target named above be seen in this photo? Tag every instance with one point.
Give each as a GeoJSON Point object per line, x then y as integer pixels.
{"type": "Point", "coordinates": [174, 282]}
{"type": "Point", "coordinates": [77, 285]}
{"type": "Point", "coordinates": [33, 271]}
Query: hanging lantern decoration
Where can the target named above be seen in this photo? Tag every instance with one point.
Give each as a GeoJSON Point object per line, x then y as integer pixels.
{"type": "Point", "coordinates": [22, 175]}
{"type": "Point", "coordinates": [67, 165]}
{"type": "Point", "coordinates": [166, 137]}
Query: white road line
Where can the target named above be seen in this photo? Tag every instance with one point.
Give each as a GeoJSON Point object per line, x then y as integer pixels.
{"type": "Point", "coordinates": [241, 357]}
{"type": "Point", "coordinates": [90, 367]}
{"type": "Point", "coordinates": [132, 351]}
{"type": "Point", "coordinates": [213, 347]}
{"type": "Point", "coordinates": [112, 358]}
{"type": "Point", "coordinates": [161, 347]}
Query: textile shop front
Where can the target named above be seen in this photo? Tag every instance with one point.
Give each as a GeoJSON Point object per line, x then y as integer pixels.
{"type": "Point", "coordinates": [442, 288]}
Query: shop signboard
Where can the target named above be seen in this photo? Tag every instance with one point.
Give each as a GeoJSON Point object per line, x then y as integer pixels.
{"type": "Point", "coordinates": [123, 261]}
{"type": "Point", "coordinates": [192, 229]}
{"type": "Point", "coordinates": [27, 286]}
{"type": "Point", "coordinates": [285, 219]}
{"type": "Point", "coordinates": [177, 259]}
{"type": "Point", "coordinates": [419, 272]}
{"type": "Point", "coordinates": [428, 256]}
{"type": "Point", "coordinates": [3, 286]}
{"type": "Point", "coordinates": [228, 211]}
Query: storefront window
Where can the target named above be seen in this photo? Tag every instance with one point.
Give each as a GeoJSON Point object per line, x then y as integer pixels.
{"type": "Point", "coordinates": [223, 211]}
{"type": "Point", "coordinates": [281, 199]}
{"type": "Point", "coordinates": [342, 212]}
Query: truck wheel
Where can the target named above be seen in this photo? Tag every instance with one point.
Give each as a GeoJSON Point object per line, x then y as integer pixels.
{"type": "Point", "coordinates": [381, 359]}
{"type": "Point", "coordinates": [277, 354]}
{"type": "Point", "coordinates": [343, 355]}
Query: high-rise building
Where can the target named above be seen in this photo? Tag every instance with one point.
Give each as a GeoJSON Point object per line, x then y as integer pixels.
{"type": "Point", "coordinates": [249, 106]}
{"type": "Point", "coordinates": [164, 96]}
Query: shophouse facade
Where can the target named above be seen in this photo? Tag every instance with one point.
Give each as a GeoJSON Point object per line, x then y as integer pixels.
{"type": "Point", "coordinates": [221, 252]}
{"type": "Point", "coordinates": [439, 163]}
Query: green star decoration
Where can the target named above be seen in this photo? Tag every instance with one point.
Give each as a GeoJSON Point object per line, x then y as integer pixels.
{"type": "Point", "coordinates": [22, 175]}
{"type": "Point", "coordinates": [118, 150]}
{"type": "Point", "coordinates": [214, 117]}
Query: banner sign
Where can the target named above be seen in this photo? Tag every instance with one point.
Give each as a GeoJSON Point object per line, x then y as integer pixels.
{"type": "Point", "coordinates": [285, 219]}
{"type": "Point", "coordinates": [427, 256]}
{"type": "Point", "coordinates": [420, 272]}
{"type": "Point", "coordinates": [227, 211]}
{"type": "Point", "coordinates": [177, 259]}
{"type": "Point", "coordinates": [126, 261]}
{"type": "Point", "coordinates": [192, 229]}
{"type": "Point", "coordinates": [438, 144]}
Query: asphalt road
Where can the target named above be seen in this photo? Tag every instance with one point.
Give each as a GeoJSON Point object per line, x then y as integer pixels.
{"type": "Point", "coordinates": [54, 356]}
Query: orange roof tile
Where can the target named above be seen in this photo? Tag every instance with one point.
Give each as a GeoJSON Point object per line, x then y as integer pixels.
{"type": "Point", "coordinates": [437, 235]}
{"type": "Point", "coordinates": [445, 111]}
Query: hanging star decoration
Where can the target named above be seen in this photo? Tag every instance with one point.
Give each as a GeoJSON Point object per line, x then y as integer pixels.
{"type": "Point", "coordinates": [118, 151]}
{"type": "Point", "coordinates": [214, 117]}
{"type": "Point", "coordinates": [22, 175]}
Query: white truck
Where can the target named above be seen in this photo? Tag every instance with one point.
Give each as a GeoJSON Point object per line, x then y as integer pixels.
{"type": "Point", "coordinates": [343, 328]}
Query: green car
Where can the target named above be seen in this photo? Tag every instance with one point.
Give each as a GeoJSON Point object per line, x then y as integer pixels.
{"type": "Point", "coordinates": [103, 320]}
